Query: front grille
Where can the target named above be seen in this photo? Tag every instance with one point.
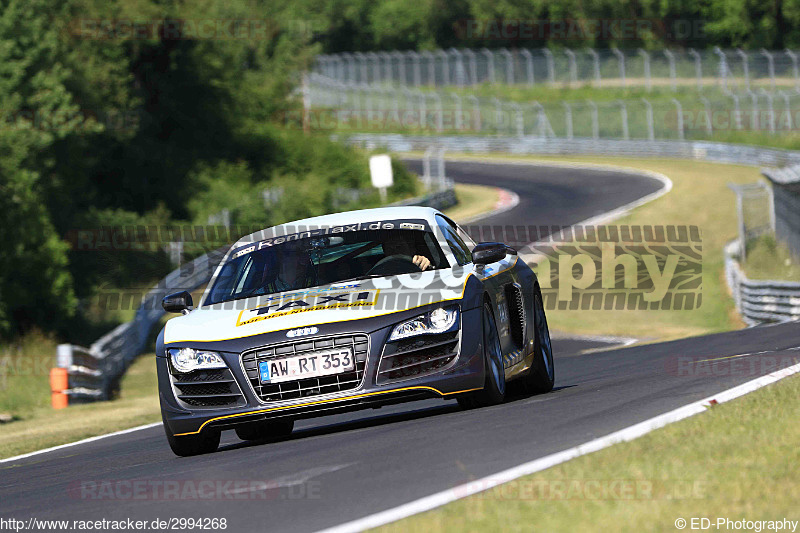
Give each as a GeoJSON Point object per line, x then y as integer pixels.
{"type": "Point", "coordinates": [417, 356]}
{"type": "Point", "coordinates": [516, 314]}
{"type": "Point", "coordinates": [207, 388]}
{"type": "Point", "coordinates": [303, 388]}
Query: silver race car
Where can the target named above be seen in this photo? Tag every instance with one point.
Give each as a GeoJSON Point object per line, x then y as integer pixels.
{"type": "Point", "coordinates": [343, 312]}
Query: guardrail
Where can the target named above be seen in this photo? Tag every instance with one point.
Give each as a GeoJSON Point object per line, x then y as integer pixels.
{"type": "Point", "coordinates": [760, 301]}
{"type": "Point", "coordinates": [93, 373]}
{"type": "Point", "coordinates": [90, 374]}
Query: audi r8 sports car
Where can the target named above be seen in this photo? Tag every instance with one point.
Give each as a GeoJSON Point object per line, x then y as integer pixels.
{"type": "Point", "coordinates": [343, 312]}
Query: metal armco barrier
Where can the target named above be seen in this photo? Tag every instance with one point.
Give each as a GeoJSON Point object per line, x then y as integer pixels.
{"type": "Point", "coordinates": [760, 301]}
{"type": "Point", "coordinates": [93, 373]}
{"type": "Point", "coordinates": [90, 374]}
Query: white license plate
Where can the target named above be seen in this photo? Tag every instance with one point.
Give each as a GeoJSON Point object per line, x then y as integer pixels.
{"type": "Point", "coordinates": [310, 365]}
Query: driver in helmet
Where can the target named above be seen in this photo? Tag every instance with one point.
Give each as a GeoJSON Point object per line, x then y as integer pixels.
{"type": "Point", "coordinates": [295, 270]}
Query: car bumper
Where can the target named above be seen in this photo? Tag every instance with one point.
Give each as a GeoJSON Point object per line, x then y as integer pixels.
{"type": "Point", "coordinates": [464, 374]}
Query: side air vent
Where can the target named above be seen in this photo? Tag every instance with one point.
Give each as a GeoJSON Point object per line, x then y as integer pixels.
{"type": "Point", "coordinates": [516, 314]}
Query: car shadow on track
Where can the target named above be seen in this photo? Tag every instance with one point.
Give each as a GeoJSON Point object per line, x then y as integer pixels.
{"type": "Point", "coordinates": [514, 395]}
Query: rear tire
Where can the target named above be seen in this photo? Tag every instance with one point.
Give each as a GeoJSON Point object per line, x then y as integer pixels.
{"type": "Point", "coordinates": [542, 374]}
{"type": "Point", "coordinates": [494, 386]}
{"type": "Point", "coordinates": [265, 430]}
{"type": "Point", "coordinates": [187, 445]}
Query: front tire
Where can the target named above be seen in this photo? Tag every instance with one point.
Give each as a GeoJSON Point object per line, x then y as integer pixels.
{"type": "Point", "coordinates": [494, 387]}
{"type": "Point", "coordinates": [542, 374]}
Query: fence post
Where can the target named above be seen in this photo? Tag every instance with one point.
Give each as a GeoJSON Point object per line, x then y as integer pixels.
{"type": "Point", "coordinates": [460, 71]}
{"type": "Point", "coordinates": [473, 66]}
{"type": "Point", "coordinates": [651, 134]}
{"type": "Point", "coordinates": [388, 74]}
{"type": "Point", "coordinates": [362, 67]}
{"type": "Point", "coordinates": [770, 109]}
{"type": "Point", "coordinates": [707, 108]}
{"type": "Point", "coordinates": [698, 68]}
{"type": "Point", "coordinates": [476, 111]}
{"type": "Point", "coordinates": [457, 111]}
{"type": "Point", "coordinates": [646, 59]}
{"type": "Point", "coordinates": [509, 65]}
{"type": "Point", "coordinates": [787, 108]}
{"type": "Point", "coordinates": [528, 65]}
{"type": "Point", "coordinates": [431, 68]}
{"type": "Point", "coordinates": [723, 68]}
{"type": "Point", "coordinates": [440, 167]}
{"type": "Point", "coordinates": [770, 66]}
{"type": "Point", "coordinates": [754, 122]}
{"type": "Point", "coordinates": [376, 67]}
{"type": "Point", "coordinates": [426, 166]}
{"type": "Point", "coordinates": [745, 68]}
{"type": "Point", "coordinates": [573, 67]}
{"type": "Point", "coordinates": [568, 118]}
{"type": "Point", "coordinates": [795, 70]}
{"type": "Point", "coordinates": [551, 68]}
{"type": "Point", "coordinates": [621, 59]}
{"type": "Point", "coordinates": [737, 112]}
{"type": "Point", "coordinates": [623, 111]}
{"type": "Point", "coordinates": [351, 68]}
{"type": "Point", "coordinates": [423, 109]}
{"type": "Point", "coordinates": [672, 73]}
{"type": "Point", "coordinates": [595, 66]}
{"type": "Point", "coordinates": [439, 112]}
{"type": "Point", "coordinates": [445, 67]}
{"type": "Point", "coordinates": [401, 68]}
{"type": "Point", "coordinates": [595, 120]}
{"type": "Point", "coordinates": [489, 64]}
{"type": "Point", "coordinates": [498, 113]}
{"type": "Point", "coordinates": [679, 110]}
{"type": "Point", "coordinates": [518, 118]}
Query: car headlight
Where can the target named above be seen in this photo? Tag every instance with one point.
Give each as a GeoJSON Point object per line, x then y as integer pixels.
{"type": "Point", "coordinates": [188, 359]}
{"type": "Point", "coordinates": [437, 321]}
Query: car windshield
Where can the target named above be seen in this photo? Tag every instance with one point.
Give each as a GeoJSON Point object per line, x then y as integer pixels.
{"type": "Point", "coordinates": [301, 263]}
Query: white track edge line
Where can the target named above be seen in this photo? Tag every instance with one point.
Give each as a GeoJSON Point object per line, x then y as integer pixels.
{"type": "Point", "coordinates": [79, 442]}
{"type": "Point", "coordinates": [627, 434]}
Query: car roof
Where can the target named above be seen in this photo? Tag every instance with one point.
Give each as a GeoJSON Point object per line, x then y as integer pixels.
{"type": "Point", "coordinates": [343, 218]}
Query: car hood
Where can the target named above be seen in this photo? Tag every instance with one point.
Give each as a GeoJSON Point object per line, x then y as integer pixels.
{"type": "Point", "coordinates": [336, 302]}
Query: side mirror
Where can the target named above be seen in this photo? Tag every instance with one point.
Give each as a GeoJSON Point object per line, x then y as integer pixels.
{"type": "Point", "coordinates": [488, 252]}
{"type": "Point", "coordinates": [178, 302]}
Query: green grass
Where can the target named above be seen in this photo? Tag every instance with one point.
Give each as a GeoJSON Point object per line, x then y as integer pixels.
{"type": "Point", "coordinates": [472, 201]}
{"type": "Point", "coordinates": [43, 427]}
{"type": "Point", "coordinates": [769, 259]}
{"type": "Point", "coordinates": [737, 460]}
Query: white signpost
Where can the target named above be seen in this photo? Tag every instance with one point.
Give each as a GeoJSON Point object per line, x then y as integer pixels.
{"type": "Point", "coordinates": [380, 168]}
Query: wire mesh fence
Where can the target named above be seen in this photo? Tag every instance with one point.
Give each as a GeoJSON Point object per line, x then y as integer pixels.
{"type": "Point", "coordinates": [341, 106]}
{"type": "Point", "coordinates": [727, 69]}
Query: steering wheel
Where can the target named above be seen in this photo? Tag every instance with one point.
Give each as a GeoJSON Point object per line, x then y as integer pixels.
{"type": "Point", "coordinates": [394, 265]}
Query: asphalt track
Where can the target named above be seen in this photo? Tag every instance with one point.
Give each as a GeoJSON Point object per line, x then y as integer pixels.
{"type": "Point", "coordinates": [333, 470]}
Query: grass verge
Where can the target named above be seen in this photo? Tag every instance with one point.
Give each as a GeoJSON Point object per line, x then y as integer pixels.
{"type": "Point", "coordinates": [472, 201]}
{"type": "Point", "coordinates": [769, 259]}
{"type": "Point", "coordinates": [738, 460]}
{"type": "Point", "coordinates": [43, 427]}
